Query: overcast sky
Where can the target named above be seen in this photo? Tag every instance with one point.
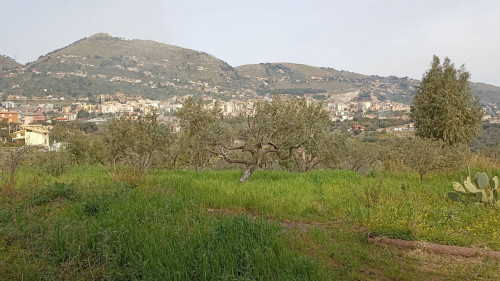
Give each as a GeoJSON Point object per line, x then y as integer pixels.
{"type": "Point", "coordinates": [382, 37]}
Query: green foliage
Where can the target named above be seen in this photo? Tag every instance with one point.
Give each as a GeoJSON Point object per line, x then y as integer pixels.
{"type": "Point", "coordinates": [325, 150]}
{"type": "Point", "coordinates": [443, 107]}
{"type": "Point", "coordinates": [426, 155]}
{"type": "Point", "coordinates": [83, 142]}
{"type": "Point", "coordinates": [83, 114]}
{"type": "Point", "coordinates": [53, 163]}
{"type": "Point", "coordinates": [297, 91]}
{"type": "Point", "coordinates": [136, 143]}
{"type": "Point", "coordinates": [10, 161]}
{"type": "Point", "coordinates": [362, 155]}
{"type": "Point", "coordinates": [55, 191]}
{"type": "Point", "coordinates": [183, 225]}
{"type": "Point", "coordinates": [370, 195]}
{"type": "Point", "coordinates": [198, 133]}
{"type": "Point", "coordinates": [275, 129]}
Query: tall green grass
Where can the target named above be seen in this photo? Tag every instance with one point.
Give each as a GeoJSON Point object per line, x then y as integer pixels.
{"type": "Point", "coordinates": [125, 233]}
{"type": "Point", "coordinates": [182, 225]}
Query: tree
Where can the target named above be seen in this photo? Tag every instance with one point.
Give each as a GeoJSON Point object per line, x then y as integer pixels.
{"type": "Point", "coordinates": [82, 114]}
{"type": "Point", "coordinates": [325, 149]}
{"type": "Point", "coordinates": [197, 132]}
{"type": "Point", "coordinates": [11, 160]}
{"type": "Point", "coordinates": [277, 128]}
{"type": "Point", "coordinates": [443, 106]}
{"type": "Point", "coordinates": [137, 142]}
{"type": "Point", "coordinates": [361, 155]}
{"type": "Point", "coordinates": [427, 155]}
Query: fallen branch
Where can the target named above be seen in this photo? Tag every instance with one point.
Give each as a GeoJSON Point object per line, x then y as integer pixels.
{"type": "Point", "coordinates": [436, 248]}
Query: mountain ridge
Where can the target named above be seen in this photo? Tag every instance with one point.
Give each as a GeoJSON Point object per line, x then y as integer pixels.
{"type": "Point", "coordinates": [102, 63]}
{"type": "Point", "coordinates": [8, 63]}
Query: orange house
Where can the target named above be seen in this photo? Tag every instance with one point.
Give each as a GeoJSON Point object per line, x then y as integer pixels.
{"type": "Point", "coordinates": [10, 116]}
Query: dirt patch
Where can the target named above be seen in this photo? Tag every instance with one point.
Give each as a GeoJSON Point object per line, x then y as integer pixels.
{"type": "Point", "coordinates": [287, 224]}
{"type": "Point", "coordinates": [436, 248]}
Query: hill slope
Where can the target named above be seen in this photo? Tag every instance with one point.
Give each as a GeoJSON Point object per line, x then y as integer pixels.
{"type": "Point", "coordinates": [102, 64]}
{"type": "Point", "coordinates": [299, 78]}
{"type": "Point", "coordinates": [7, 64]}
{"type": "Point", "coordinates": [105, 64]}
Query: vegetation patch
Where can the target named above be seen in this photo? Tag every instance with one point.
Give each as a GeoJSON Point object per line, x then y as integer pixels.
{"type": "Point", "coordinates": [57, 190]}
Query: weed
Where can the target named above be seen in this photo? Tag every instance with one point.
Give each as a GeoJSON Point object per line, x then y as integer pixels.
{"type": "Point", "coordinates": [129, 176]}
{"type": "Point", "coordinates": [52, 192]}
{"type": "Point", "coordinates": [370, 195]}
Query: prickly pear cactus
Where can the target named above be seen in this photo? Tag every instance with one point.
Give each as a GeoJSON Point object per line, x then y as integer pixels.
{"type": "Point", "coordinates": [481, 180]}
{"type": "Point", "coordinates": [479, 189]}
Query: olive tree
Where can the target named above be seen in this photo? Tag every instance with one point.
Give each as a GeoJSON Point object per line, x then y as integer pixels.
{"type": "Point", "coordinates": [276, 128]}
{"type": "Point", "coordinates": [325, 149]}
{"type": "Point", "coordinates": [425, 155]}
{"type": "Point", "coordinates": [137, 142]}
{"type": "Point", "coordinates": [197, 131]}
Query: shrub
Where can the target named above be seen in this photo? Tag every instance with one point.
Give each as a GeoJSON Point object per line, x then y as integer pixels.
{"type": "Point", "coordinates": [370, 195]}
{"type": "Point", "coordinates": [53, 163]}
{"type": "Point", "coordinates": [128, 175]}
{"type": "Point", "coordinates": [54, 191]}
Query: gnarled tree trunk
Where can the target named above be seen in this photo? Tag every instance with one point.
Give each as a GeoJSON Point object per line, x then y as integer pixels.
{"type": "Point", "coordinates": [249, 169]}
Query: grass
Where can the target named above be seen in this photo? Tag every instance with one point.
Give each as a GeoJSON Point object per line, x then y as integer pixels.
{"type": "Point", "coordinates": [181, 225]}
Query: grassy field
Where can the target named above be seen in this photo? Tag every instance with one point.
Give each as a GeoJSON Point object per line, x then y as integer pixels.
{"type": "Point", "coordinates": [181, 225]}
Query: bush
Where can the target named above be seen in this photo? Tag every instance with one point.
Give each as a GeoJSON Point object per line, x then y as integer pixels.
{"type": "Point", "coordinates": [129, 176]}
{"type": "Point", "coordinates": [52, 192]}
{"type": "Point", "coordinates": [96, 206]}
{"type": "Point", "coordinates": [54, 163]}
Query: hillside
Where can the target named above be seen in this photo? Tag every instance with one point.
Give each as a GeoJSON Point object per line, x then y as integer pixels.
{"type": "Point", "coordinates": [299, 78]}
{"type": "Point", "coordinates": [102, 64]}
{"type": "Point", "coordinates": [7, 64]}
{"type": "Point", "coordinates": [105, 64]}
{"type": "Point", "coordinates": [488, 93]}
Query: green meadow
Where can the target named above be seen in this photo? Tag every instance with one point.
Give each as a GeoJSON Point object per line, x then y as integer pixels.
{"type": "Point", "coordinates": [183, 225]}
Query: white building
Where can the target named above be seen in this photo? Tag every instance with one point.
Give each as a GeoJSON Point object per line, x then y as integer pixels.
{"type": "Point", "coordinates": [36, 135]}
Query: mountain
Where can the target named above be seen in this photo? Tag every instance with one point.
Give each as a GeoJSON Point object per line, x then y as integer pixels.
{"type": "Point", "coordinates": [7, 64]}
{"type": "Point", "coordinates": [488, 93]}
{"type": "Point", "coordinates": [103, 64]}
{"type": "Point", "coordinates": [299, 79]}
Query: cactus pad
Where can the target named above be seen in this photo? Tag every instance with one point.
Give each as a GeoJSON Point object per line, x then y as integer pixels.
{"type": "Point", "coordinates": [481, 180]}
{"type": "Point", "coordinates": [494, 182]}
{"type": "Point", "coordinates": [454, 196]}
{"type": "Point", "coordinates": [470, 187]}
{"type": "Point", "coordinates": [459, 188]}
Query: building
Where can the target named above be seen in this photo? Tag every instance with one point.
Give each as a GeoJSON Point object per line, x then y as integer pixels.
{"type": "Point", "coordinates": [30, 118]}
{"type": "Point", "coordinates": [36, 135]}
{"type": "Point", "coordinates": [11, 116]}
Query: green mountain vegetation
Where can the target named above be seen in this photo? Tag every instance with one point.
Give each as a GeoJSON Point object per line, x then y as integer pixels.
{"type": "Point", "coordinates": [102, 64]}
{"type": "Point", "coordinates": [487, 93]}
{"type": "Point", "coordinates": [105, 64]}
{"type": "Point", "coordinates": [7, 64]}
{"type": "Point", "coordinates": [299, 78]}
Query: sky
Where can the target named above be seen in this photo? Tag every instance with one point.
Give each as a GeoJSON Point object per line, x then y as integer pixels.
{"type": "Point", "coordinates": [373, 37]}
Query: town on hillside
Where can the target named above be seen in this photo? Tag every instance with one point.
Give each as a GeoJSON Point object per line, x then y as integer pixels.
{"type": "Point", "coordinates": [31, 119]}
